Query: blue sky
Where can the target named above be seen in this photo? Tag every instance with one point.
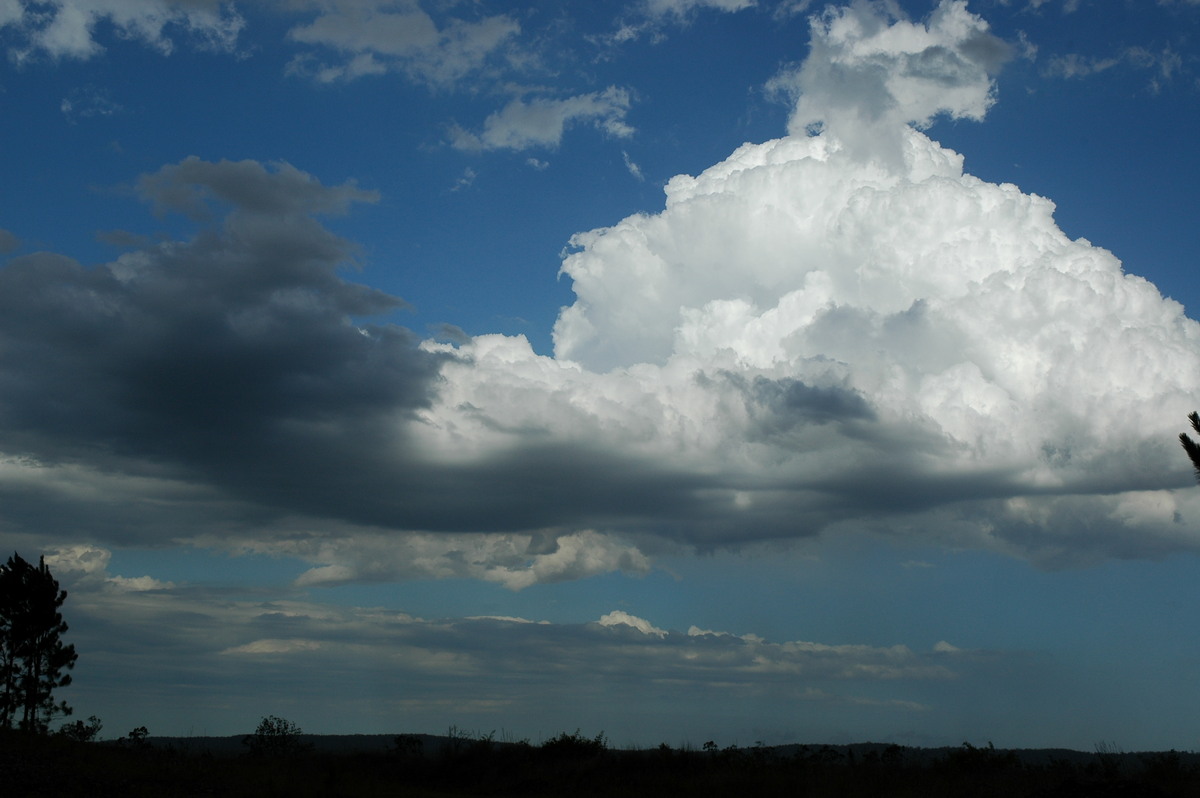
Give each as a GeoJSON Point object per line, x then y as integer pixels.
{"type": "Point", "coordinates": [681, 369]}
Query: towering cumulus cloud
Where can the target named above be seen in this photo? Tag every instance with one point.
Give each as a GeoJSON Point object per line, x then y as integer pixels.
{"type": "Point", "coordinates": [843, 330]}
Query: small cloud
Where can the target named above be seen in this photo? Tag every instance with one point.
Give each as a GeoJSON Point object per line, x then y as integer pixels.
{"type": "Point", "coordinates": [649, 17]}
{"type": "Point", "coordinates": [270, 646]}
{"type": "Point", "coordinates": [1164, 65]}
{"type": "Point", "coordinates": [138, 584]}
{"type": "Point", "coordinates": [450, 332]}
{"type": "Point", "coordinates": [468, 177]}
{"type": "Point", "coordinates": [622, 618]}
{"type": "Point", "coordinates": [541, 121]}
{"type": "Point", "coordinates": [680, 8]}
{"type": "Point", "coordinates": [633, 168]}
{"type": "Point", "coordinates": [791, 8]}
{"type": "Point", "coordinates": [537, 164]}
{"type": "Point", "coordinates": [504, 619]}
{"type": "Point", "coordinates": [374, 37]}
{"type": "Point", "coordinates": [87, 102]}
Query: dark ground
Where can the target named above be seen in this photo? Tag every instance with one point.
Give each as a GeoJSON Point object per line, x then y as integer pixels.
{"type": "Point", "coordinates": [568, 765]}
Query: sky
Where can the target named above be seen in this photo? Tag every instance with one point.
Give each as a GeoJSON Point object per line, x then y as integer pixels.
{"type": "Point", "coordinates": [682, 370]}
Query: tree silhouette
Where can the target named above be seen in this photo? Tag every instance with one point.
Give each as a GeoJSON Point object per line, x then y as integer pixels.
{"type": "Point", "coordinates": [33, 658]}
{"type": "Point", "coordinates": [276, 738]}
{"type": "Point", "coordinates": [1190, 446]}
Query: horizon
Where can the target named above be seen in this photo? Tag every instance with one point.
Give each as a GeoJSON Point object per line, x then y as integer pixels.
{"type": "Point", "coordinates": [667, 368]}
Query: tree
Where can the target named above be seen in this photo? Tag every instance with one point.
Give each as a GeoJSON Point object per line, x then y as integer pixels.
{"type": "Point", "coordinates": [1190, 446]}
{"type": "Point", "coordinates": [33, 659]}
{"type": "Point", "coordinates": [276, 738]}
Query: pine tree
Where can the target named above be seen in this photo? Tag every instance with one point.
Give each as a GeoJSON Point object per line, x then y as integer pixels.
{"type": "Point", "coordinates": [1190, 446]}
{"type": "Point", "coordinates": [33, 659]}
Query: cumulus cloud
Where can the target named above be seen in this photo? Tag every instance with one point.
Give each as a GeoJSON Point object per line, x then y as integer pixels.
{"type": "Point", "coordinates": [376, 36]}
{"type": "Point", "coordinates": [622, 618]}
{"type": "Point", "coordinates": [541, 121]}
{"type": "Point", "coordinates": [86, 566]}
{"type": "Point", "coordinates": [8, 241]}
{"type": "Point", "coordinates": [67, 28]}
{"type": "Point", "coordinates": [870, 73]}
{"type": "Point", "coordinates": [795, 310]}
{"type": "Point", "coordinates": [803, 341]}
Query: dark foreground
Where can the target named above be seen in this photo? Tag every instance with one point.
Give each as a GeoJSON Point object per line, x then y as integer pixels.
{"type": "Point", "coordinates": [574, 765]}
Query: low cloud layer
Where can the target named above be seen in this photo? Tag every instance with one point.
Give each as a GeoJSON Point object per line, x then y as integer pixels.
{"type": "Point", "coordinates": [386, 668]}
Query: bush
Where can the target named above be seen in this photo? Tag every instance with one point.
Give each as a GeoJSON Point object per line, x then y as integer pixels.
{"type": "Point", "coordinates": [276, 738]}
{"type": "Point", "coordinates": [82, 732]}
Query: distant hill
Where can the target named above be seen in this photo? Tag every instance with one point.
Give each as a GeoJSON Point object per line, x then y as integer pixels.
{"type": "Point", "coordinates": [432, 744]}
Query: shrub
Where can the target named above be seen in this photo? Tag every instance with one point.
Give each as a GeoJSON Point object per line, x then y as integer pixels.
{"type": "Point", "coordinates": [276, 737]}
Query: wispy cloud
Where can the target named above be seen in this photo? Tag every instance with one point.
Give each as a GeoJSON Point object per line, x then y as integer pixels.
{"type": "Point", "coordinates": [378, 36]}
{"type": "Point", "coordinates": [474, 667]}
{"type": "Point", "coordinates": [542, 121]}
{"type": "Point", "coordinates": [67, 28]}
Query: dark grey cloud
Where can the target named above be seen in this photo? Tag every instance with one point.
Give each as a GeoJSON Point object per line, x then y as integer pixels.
{"type": "Point", "coordinates": [232, 358]}
{"type": "Point", "coordinates": [224, 385]}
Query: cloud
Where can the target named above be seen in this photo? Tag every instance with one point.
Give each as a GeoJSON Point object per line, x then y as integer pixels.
{"type": "Point", "coordinates": [651, 16]}
{"type": "Point", "coordinates": [514, 561]}
{"type": "Point", "coordinates": [541, 122]}
{"type": "Point", "coordinates": [870, 73]}
{"type": "Point", "coordinates": [622, 618]}
{"type": "Point", "coordinates": [633, 168]}
{"type": "Point", "coordinates": [290, 652]}
{"type": "Point", "coordinates": [8, 241]}
{"type": "Point", "coordinates": [1164, 65]}
{"type": "Point", "coordinates": [376, 36]}
{"type": "Point", "coordinates": [679, 8]}
{"type": "Point", "coordinates": [183, 364]}
{"type": "Point", "coordinates": [87, 566]}
{"type": "Point", "coordinates": [66, 28]}
{"type": "Point", "coordinates": [802, 342]}
{"type": "Point", "coordinates": [87, 102]}
{"type": "Point", "coordinates": [841, 345]}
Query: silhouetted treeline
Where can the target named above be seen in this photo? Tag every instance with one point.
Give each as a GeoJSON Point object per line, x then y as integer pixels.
{"type": "Point", "coordinates": [578, 765]}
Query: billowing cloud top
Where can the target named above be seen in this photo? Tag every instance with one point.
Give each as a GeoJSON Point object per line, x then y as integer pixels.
{"type": "Point", "coordinates": [870, 73]}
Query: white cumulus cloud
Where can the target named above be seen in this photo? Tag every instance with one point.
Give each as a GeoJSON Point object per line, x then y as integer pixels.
{"type": "Point", "coordinates": [812, 340]}
{"type": "Point", "coordinates": [870, 72]}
